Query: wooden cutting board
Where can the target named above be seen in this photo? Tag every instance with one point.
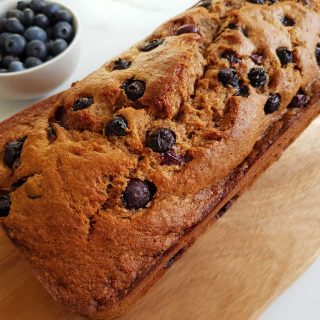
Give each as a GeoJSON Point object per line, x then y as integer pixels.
{"type": "Point", "coordinates": [267, 239]}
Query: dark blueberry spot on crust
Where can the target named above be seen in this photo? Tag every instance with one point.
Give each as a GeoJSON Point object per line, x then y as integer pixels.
{"type": "Point", "coordinates": [121, 64]}
{"type": "Point", "coordinates": [188, 157]}
{"type": "Point", "coordinates": [273, 103]}
{"type": "Point", "coordinates": [5, 204]}
{"type": "Point", "coordinates": [257, 1]}
{"type": "Point", "coordinates": [229, 77]}
{"type": "Point", "coordinates": [243, 90]}
{"type": "Point", "coordinates": [134, 89]}
{"type": "Point", "coordinates": [245, 32]}
{"type": "Point", "coordinates": [285, 56]}
{"type": "Point", "coordinates": [232, 26]}
{"type": "Point", "coordinates": [174, 258]}
{"type": "Point", "coordinates": [231, 56]}
{"type": "Point", "coordinates": [138, 194]}
{"type": "Point", "coordinates": [304, 2]}
{"type": "Point", "coordinates": [12, 152]}
{"type": "Point", "coordinates": [51, 134]}
{"type": "Point", "coordinates": [257, 58]}
{"type": "Point", "coordinates": [257, 77]}
{"type": "Point", "coordinates": [187, 28]}
{"type": "Point", "coordinates": [317, 52]}
{"type": "Point", "coordinates": [203, 3]}
{"type": "Point", "coordinates": [161, 140]}
{"type": "Point", "coordinates": [300, 100]}
{"type": "Point", "coordinates": [170, 158]}
{"type": "Point", "coordinates": [18, 183]}
{"type": "Point", "coordinates": [60, 115]}
{"type": "Point", "coordinates": [224, 210]}
{"type": "Point", "coordinates": [151, 45]}
{"type": "Point", "coordinates": [117, 127]}
{"type": "Point", "coordinates": [226, 207]}
{"type": "Point", "coordinates": [83, 103]}
{"type": "Point", "coordinates": [288, 22]}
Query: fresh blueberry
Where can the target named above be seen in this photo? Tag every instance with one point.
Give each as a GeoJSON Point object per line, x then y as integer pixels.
{"type": "Point", "coordinates": [16, 66]}
{"type": "Point", "coordinates": [229, 77]}
{"type": "Point", "coordinates": [63, 30]}
{"type": "Point", "coordinates": [50, 9]}
{"type": "Point", "coordinates": [48, 58]}
{"type": "Point", "coordinates": [14, 13]}
{"type": "Point", "coordinates": [14, 25]}
{"type": "Point", "coordinates": [27, 17]}
{"type": "Point", "coordinates": [257, 77]}
{"type": "Point", "coordinates": [285, 56]}
{"type": "Point", "coordinates": [49, 45]}
{"type": "Point", "coordinates": [257, 1]}
{"type": "Point", "coordinates": [36, 48]}
{"type": "Point", "coordinates": [31, 62]}
{"type": "Point", "coordinates": [49, 32]}
{"type": "Point", "coordinates": [82, 103]}
{"type": "Point", "coordinates": [317, 53]}
{"type": "Point", "coordinates": [161, 140]}
{"type": "Point", "coordinates": [58, 46]}
{"type": "Point", "coordinates": [37, 5]}
{"type": "Point", "coordinates": [63, 15]}
{"type": "Point", "coordinates": [15, 44]}
{"type": "Point", "coordinates": [41, 21]}
{"type": "Point", "coordinates": [138, 194]}
{"type": "Point", "coordinates": [117, 127]}
{"type": "Point", "coordinates": [21, 5]}
{"type": "Point", "coordinates": [12, 152]}
{"type": "Point", "coordinates": [3, 22]}
{"type": "Point", "coordinates": [187, 28]}
{"type": "Point", "coordinates": [6, 61]}
{"type": "Point", "coordinates": [134, 89]}
{"type": "Point", "coordinates": [2, 70]}
{"type": "Point", "coordinates": [35, 33]}
{"type": "Point", "coordinates": [150, 45]}
{"type": "Point", "coordinates": [121, 64]}
{"type": "Point", "coordinates": [273, 103]}
{"type": "Point", "coordinates": [5, 203]}
{"type": "Point", "coordinates": [3, 38]}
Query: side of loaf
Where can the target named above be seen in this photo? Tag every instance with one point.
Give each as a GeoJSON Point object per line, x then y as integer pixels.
{"type": "Point", "coordinates": [100, 182]}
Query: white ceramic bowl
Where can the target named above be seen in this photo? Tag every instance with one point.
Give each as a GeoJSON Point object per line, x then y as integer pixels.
{"type": "Point", "coordinates": [41, 80]}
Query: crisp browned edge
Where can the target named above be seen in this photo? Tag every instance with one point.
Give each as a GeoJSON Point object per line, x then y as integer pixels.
{"type": "Point", "coordinates": [273, 143]}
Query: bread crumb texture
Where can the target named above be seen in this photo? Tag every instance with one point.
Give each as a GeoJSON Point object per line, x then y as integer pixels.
{"type": "Point", "coordinates": [100, 181]}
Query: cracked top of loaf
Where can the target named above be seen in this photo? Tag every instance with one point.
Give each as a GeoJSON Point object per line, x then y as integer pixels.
{"type": "Point", "coordinates": [98, 182]}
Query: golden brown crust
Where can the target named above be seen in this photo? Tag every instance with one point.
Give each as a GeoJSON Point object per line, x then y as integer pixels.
{"type": "Point", "coordinates": [68, 218]}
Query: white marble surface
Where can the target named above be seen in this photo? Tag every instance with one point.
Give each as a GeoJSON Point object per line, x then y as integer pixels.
{"type": "Point", "coordinates": [111, 26]}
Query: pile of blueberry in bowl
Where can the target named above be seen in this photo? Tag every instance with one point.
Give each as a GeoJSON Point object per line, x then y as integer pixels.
{"type": "Point", "coordinates": [33, 33]}
{"type": "Point", "coordinates": [40, 47]}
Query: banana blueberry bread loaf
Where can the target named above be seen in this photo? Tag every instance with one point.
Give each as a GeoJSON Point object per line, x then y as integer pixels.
{"type": "Point", "coordinates": [104, 185]}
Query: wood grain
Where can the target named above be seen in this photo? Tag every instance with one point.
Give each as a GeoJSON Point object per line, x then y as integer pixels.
{"type": "Point", "coordinates": [267, 239]}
